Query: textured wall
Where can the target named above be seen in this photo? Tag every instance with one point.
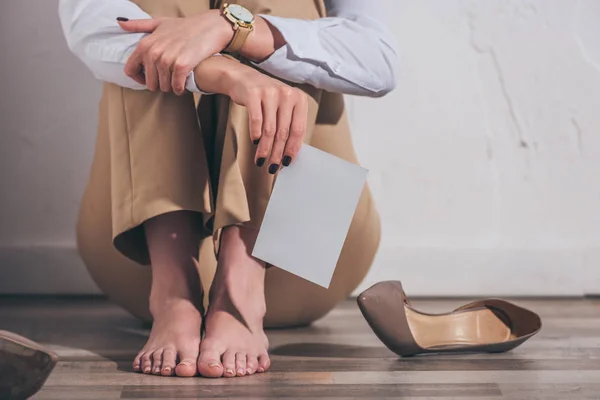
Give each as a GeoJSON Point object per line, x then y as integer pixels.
{"type": "Point", "coordinates": [486, 159]}
{"type": "Point", "coordinates": [484, 162]}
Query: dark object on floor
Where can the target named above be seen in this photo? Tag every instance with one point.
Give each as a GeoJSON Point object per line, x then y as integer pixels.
{"type": "Point", "coordinates": [24, 366]}
{"type": "Point", "coordinates": [486, 326]}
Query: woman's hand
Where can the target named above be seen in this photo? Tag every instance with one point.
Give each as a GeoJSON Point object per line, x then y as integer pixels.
{"type": "Point", "coordinates": [174, 48]}
{"type": "Point", "coordinates": [277, 112]}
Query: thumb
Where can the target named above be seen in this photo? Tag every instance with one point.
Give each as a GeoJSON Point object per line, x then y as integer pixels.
{"type": "Point", "coordinates": [140, 25]}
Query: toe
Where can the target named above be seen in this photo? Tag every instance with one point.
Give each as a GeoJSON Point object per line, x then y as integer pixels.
{"type": "Point", "coordinates": [209, 363]}
{"type": "Point", "coordinates": [264, 363]}
{"type": "Point", "coordinates": [147, 362]}
{"type": "Point", "coordinates": [251, 364]}
{"type": "Point", "coordinates": [168, 362]}
{"type": "Point", "coordinates": [157, 361]}
{"type": "Point", "coordinates": [229, 364]}
{"type": "Point", "coordinates": [187, 364]}
{"type": "Point", "coordinates": [240, 364]}
{"type": "Point", "coordinates": [137, 362]}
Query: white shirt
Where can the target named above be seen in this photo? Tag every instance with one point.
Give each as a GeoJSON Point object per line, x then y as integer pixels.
{"type": "Point", "coordinates": [350, 51]}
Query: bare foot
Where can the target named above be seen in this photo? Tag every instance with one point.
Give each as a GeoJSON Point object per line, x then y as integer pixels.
{"type": "Point", "coordinates": [235, 343]}
{"type": "Point", "coordinates": [175, 298]}
{"type": "Point", "coordinates": [174, 342]}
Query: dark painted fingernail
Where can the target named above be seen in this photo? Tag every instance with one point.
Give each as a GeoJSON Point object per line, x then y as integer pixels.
{"type": "Point", "coordinates": [256, 141]}
{"type": "Point", "coordinates": [286, 161]}
{"type": "Point", "coordinates": [122, 19]}
{"type": "Point", "coordinates": [273, 168]}
{"type": "Point", "coordinates": [260, 162]}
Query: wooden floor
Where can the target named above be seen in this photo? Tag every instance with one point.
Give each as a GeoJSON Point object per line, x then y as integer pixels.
{"type": "Point", "coordinates": [336, 358]}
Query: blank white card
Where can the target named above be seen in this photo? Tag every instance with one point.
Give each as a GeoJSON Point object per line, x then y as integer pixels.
{"type": "Point", "coordinates": [309, 214]}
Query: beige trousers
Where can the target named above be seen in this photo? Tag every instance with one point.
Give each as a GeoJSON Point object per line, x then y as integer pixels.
{"type": "Point", "coordinates": [158, 153]}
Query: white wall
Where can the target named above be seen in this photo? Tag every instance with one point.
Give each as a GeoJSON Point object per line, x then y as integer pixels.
{"type": "Point", "coordinates": [484, 163]}
{"type": "Point", "coordinates": [48, 130]}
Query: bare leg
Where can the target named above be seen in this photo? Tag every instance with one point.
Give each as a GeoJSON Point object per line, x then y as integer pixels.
{"type": "Point", "coordinates": [235, 342]}
{"type": "Point", "coordinates": [175, 297]}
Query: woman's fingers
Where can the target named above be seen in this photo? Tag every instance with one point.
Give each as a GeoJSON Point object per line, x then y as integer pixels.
{"type": "Point", "coordinates": [161, 61]}
{"type": "Point", "coordinates": [150, 73]}
{"type": "Point", "coordinates": [270, 103]}
{"type": "Point", "coordinates": [181, 69]}
{"type": "Point", "coordinates": [137, 65]}
{"type": "Point", "coordinates": [255, 117]}
{"type": "Point", "coordinates": [182, 65]}
{"type": "Point", "coordinates": [189, 56]}
{"type": "Point", "coordinates": [287, 98]}
{"type": "Point", "coordinates": [134, 68]}
{"type": "Point", "coordinates": [164, 71]}
{"type": "Point", "coordinates": [277, 119]}
{"type": "Point", "coordinates": [140, 25]}
{"type": "Point", "coordinates": [297, 129]}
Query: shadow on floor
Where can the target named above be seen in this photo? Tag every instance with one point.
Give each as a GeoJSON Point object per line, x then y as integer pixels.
{"type": "Point", "coordinates": [78, 329]}
{"type": "Point", "coordinates": [330, 350]}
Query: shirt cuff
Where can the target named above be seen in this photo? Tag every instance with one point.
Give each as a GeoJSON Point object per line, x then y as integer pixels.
{"type": "Point", "coordinates": [190, 84]}
{"type": "Point", "coordinates": [302, 36]}
{"type": "Point", "coordinates": [302, 42]}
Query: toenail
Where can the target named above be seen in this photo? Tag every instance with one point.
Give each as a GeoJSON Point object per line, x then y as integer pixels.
{"type": "Point", "coordinates": [240, 371]}
{"type": "Point", "coordinates": [213, 364]}
{"type": "Point", "coordinates": [250, 371]}
{"type": "Point", "coordinates": [229, 371]}
{"type": "Point", "coordinates": [146, 369]}
{"type": "Point", "coordinates": [261, 369]}
{"type": "Point", "coordinates": [167, 369]}
{"type": "Point", "coordinates": [156, 370]}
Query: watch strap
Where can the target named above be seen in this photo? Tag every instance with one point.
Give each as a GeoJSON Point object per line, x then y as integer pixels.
{"type": "Point", "coordinates": [239, 38]}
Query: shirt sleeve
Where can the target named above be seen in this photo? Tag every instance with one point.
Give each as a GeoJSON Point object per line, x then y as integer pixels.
{"type": "Point", "coordinates": [351, 51]}
{"type": "Point", "coordinates": [94, 36]}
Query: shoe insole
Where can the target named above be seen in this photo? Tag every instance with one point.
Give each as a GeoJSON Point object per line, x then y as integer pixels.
{"type": "Point", "coordinates": [472, 327]}
{"type": "Point", "coordinates": [18, 340]}
{"type": "Point", "coordinates": [10, 340]}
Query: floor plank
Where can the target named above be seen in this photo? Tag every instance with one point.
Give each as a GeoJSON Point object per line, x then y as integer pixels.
{"type": "Point", "coordinates": [338, 357]}
{"type": "Point", "coordinates": [374, 391]}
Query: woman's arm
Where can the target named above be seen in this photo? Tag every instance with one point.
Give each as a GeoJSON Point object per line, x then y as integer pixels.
{"type": "Point", "coordinates": [95, 37]}
{"type": "Point", "coordinates": [351, 51]}
{"type": "Point", "coordinates": [348, 52]}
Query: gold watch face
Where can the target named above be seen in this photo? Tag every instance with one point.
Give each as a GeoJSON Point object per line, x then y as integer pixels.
{"type": "Point", "coordinates": [241, 13]}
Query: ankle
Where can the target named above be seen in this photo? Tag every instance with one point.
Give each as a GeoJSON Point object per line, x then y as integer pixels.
{"type": "Point", "coordinates": [172, 283]}
{"type": "Point", "coordinates": [240, 237]}
{"type": "Point", "coordinates": [162, 300]}
{"type": "Point", "coordinates": [234, 292]}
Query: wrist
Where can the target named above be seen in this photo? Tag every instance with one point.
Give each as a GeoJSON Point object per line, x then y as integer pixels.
{"type": "Point", "coordinates": [218, 74]}
{"type": "Point", "coordinates": [223, 26]}
{"type": "Point", "coordinates": [232, 76]}
{"type": "Point", "coordinates": [208, 75]}
{"type": "Point", "coordinates": [262, 42]}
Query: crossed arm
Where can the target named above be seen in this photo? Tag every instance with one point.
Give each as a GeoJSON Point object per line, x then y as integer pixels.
{"type": "Point", "coordinates": [348, 52]}
{"type": "Point", "coordinates": [351, 51]}
{"type": "Point", "coordinates": [176, 46]}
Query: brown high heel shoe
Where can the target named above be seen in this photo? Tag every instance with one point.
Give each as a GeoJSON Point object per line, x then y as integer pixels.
{"type": "Point", "coordinates": [24, 366]}
{"type": "Point", "coordinates": [487, 326]}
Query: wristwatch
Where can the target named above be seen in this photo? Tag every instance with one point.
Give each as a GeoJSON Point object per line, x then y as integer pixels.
{"type": "Point", "coordinates": [243, 23]}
